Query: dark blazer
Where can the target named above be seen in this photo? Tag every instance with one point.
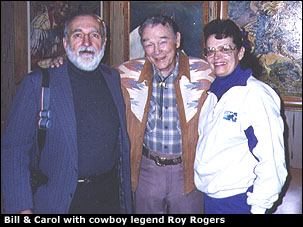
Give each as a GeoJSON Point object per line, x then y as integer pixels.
{"type": "Point", "coordinates": [59, 160]}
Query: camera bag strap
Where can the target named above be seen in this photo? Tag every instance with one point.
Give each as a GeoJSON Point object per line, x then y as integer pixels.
{"type": "Point", "coordinates": [44, 114]}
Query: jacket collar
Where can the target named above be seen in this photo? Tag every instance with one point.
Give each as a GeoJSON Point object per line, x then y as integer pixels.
{"type": "Point", "coordinates": [183, 66]}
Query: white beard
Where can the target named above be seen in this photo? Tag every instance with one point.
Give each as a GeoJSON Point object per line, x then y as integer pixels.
{"type": "Point", "coordinates": [86, 63]}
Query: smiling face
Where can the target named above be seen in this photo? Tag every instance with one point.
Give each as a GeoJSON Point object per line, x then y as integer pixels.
{"type": "Point", "coordinates": [221, 64]}
{"type": "Point", "coordinates": [85, 44]}
{"type": "Point", "coordinates": [160, 45]}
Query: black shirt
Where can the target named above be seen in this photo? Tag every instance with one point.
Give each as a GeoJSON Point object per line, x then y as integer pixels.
{"type": "Point", "coordinates": [97, 122]}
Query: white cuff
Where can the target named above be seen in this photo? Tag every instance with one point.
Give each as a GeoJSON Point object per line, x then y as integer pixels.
{"type": "Point", "coordinates": [257, 210]}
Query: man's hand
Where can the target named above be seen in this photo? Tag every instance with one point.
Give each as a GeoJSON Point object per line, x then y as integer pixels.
{"type": "Point", "coordinates": [57, 61]}
{"type": "Point", "coordinates": [26, 212]}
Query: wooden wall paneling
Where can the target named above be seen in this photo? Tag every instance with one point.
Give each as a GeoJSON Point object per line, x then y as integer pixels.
{"type": "Point", "coordinates": [126, 33]}
{"type": "Point", "coordinates": [206, 16]}
{"type": "Point", "coordinates": [223, 9]}
{"type": "Point", "coordinates": [8, 82]}
{"type": "Point", "coordinates": [7, 32]}
{"type": "Point", "coordinates": [20, 30]}
{"type": "Point", "coordinates": [293, 129]}
{"type": "Point", "coordinates": [117, 48]}
{"type": "Point", "coordinates": [212, 10]}
{"type": "Point", "coordinates": [106, 19]}
{"type": "Point", "coordinates": [292, 103]}
{"type": "Point", "coordinates": [106, 12]}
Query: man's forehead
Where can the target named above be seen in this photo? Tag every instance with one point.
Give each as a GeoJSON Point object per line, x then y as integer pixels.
{"type": "Point", "coordinates": [158, 26]}
{"type": "Point", "coordinates": [162, 31]}
{"type": "Point", "coordinates": [85, 22]}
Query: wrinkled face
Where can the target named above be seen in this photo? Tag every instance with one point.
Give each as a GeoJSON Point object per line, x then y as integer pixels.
{"type": "Point", "coordinates": [85, 45]}
{"type": "Point", "coordinates": [223, 62]}
{"type": "Point", "coordinates": [160, 45]}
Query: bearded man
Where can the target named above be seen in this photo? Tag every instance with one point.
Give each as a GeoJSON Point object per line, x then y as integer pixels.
{"type": "Point", "coordinates": [86, 151]}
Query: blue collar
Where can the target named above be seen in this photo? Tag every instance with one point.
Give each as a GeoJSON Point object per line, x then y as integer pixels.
{"type": "Point", "coordinates": [222, 84]}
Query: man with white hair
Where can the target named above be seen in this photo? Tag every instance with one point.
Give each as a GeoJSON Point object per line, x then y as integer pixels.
{"type": "Point", "coordinates": [86, 152]}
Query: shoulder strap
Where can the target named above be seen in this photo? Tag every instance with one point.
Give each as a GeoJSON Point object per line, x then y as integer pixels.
{"type": "Point", "coordinates": [44, 114]}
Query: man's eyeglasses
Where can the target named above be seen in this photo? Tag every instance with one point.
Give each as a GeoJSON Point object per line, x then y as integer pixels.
{"type": "Point", "coordinates": [225, 50]}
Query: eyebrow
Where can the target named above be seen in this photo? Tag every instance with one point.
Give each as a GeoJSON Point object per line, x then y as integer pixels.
{"type": "Point", "coordinates": [221, 45]}
{"type": "Point", "coordinates": [162, 37]}
{"type": "Point", "coordinates": [80, 30]}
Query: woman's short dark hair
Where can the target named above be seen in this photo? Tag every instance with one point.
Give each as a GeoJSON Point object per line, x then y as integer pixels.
{"type": "Point", "coordinates": [223, 29]}
{"type": "Point", "coordinates": [227, 28]}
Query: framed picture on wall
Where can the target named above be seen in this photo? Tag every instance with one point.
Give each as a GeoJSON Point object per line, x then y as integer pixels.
{"type": "Point", "coordinates": [189, 15]}
{"type": "Point", "coordinates": [125, 17]}
{"type": "Point", "coordinates": [46, 28]}
{"type": "Point", "coordinates": [275, 30]}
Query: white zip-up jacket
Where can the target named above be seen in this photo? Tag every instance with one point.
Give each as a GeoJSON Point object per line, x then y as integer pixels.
{"type": "Point", "coordinates": [241, 144]}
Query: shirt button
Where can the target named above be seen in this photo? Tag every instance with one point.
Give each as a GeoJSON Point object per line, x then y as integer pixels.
{"type": "Point", "coordinates": [166, 127]}
{"type": "Point", "coordinates": [165, 146]}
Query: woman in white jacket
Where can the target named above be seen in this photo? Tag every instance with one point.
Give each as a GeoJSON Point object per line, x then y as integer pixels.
{"type": "Point", "coordinates": [240, 158]}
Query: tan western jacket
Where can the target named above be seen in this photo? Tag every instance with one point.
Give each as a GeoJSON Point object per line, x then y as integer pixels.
{"type": "Point", "coordinates": [191, 84]}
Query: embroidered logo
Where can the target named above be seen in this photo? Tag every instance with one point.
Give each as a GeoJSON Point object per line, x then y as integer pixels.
{"type": "Point", "coordinates": [228, 115]}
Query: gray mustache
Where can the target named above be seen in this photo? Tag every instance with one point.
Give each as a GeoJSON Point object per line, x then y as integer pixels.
{"type": "Point", "coordinates": [87, 49]}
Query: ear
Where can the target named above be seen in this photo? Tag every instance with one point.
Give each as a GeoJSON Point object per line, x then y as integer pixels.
{"type": "Point", "coordinates": [241, 53]}
{"type": "Point", "coordinates": [178, 39]}
{"type": "Point", "coordinates": [104, 42]}
{"type": "Point", "coordinates": [64, 43]}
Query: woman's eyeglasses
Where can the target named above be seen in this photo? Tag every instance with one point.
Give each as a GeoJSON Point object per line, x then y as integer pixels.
{"type": "Point", "coordinates": [225, 50]}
